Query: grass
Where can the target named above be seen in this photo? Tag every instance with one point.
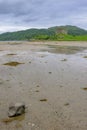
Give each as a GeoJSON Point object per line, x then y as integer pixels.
{"type": "Point", "coordinates": [72, 38]}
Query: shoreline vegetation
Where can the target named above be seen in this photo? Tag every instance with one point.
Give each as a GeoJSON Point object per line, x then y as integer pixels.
{"type": "Point", "coordinates": [57, 33]}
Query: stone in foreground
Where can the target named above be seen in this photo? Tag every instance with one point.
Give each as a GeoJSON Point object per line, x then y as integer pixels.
{"type": "Point", "coordinates": [16, 109]}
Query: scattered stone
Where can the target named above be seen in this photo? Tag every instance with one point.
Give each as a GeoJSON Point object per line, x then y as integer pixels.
{"type": "Point", "coordinates": [37, 91]}
{"type": "Point", "coordinates": [11, 54]}
{"type": "Point", "coordinates": [31, 124]}
{"type": "Point", "coordinates": [16, 109]}
{"type": "Point", "coordinates": [9, 86]}
{"type": "Point", "coordinates": [61, 86]}
{"type": "Point", "coordinates": [7, 80]}
{"type": "Point", "coordinates": [66, 104]}
{"type": "Point", "coordinates": [1, 82]}
{"type": "Point", "coordinates": [64, 60]}
{"type": "Point", "coordinates": [37, 86]}
{"type": "Point", "coordinates": [50, 72]}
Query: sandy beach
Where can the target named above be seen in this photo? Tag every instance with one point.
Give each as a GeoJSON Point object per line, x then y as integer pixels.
{"type": "Point", "coordinates": [50, 78]}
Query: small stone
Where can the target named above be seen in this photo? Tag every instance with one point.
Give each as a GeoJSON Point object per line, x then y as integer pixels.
{"type": "Point", "coordinates": [50, 72]}
{"type": "Point", "coordinates": [33, 124]}
{"type": "Point", "coordinates": [16, 109]}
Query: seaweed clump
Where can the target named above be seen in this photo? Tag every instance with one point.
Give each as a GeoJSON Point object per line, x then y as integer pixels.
{"type": "Point", "coordinates": [11, 54]}
{"type": "Point", "coordinates": [13, 63]}
{"type": "Point", "coordinates": [85, 57]}
{"type": "Point", "coordinates": [85, 89]}
{"type": "Point", "coordinates": [43, 100]}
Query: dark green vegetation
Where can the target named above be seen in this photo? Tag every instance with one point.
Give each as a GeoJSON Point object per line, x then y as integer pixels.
{"type": "Point", "coordinates": [57, 33]}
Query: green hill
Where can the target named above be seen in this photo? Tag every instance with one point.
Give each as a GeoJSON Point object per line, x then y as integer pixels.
{"type": "Point", "coordinates": [71, 30]}
{"type": "Point", "coordinates": [53, 33]}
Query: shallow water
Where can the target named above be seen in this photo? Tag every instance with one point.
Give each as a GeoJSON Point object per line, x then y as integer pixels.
{"type": "Point", "coordinates": [52, 82]}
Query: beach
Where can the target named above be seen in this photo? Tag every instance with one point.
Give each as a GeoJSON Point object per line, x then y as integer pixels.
{"type": "Point", "coordinates": [50, 78]}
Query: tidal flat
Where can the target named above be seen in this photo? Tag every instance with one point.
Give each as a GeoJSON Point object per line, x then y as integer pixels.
{"type": "Point", "coordinates": [50, 78]}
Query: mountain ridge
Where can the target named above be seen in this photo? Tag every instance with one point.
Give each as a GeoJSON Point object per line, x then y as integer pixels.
{"type": "Point", "coordinates": [52, 33]}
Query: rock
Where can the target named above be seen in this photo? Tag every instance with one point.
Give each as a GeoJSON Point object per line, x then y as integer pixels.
{"type": "Point", "coordinates": [16, 109]}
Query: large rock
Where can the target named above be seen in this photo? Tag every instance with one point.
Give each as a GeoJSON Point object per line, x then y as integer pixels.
{"type": "Point", "coordinates": [16, 109]}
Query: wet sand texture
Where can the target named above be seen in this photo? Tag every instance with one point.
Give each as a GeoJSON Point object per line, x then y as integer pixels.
{"type": "Point", "coordinates": [50, 79]}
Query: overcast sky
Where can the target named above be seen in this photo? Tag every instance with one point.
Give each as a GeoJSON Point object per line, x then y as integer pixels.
{"type": "Point", "coordinates": [23, 14]}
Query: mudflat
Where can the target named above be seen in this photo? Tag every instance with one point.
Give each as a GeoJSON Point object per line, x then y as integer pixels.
{"type": "Point", "coordinates": [50, 78]}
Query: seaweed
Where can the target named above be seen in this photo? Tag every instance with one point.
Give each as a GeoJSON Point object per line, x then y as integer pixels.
{"type": "Point", "coordinates": [11, 54]}
{"type": "Point", "coordinates": [85, 57]}
{"type": "Point", "coordinates": [13, 63]}
{"type": "Point", "coordinates": [84, 89]}
{"type": "Point", "coordinates": [43, 100]}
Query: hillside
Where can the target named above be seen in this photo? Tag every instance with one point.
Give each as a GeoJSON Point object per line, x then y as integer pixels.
{"type": "Point", "coordinates": [53, 33]}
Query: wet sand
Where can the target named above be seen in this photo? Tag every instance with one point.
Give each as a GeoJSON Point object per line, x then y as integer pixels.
{"type": "Point", "coordinates": [51, 78]}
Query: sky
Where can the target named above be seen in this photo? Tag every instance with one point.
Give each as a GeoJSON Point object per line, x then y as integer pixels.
{"type": "Point", "coordinates": [23, 14]}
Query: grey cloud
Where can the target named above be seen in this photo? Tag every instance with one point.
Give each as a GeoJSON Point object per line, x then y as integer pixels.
{"type": "Point", "coordinates": [42, 12]}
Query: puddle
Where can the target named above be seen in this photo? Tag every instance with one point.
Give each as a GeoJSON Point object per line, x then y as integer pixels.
{"type": "Point", "coordinates": [64, 49]}
{"type": "Point", "coordinates": [13, 63]}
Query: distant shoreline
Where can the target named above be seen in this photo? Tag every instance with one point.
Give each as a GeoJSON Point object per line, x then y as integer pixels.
{"type": "Point", "coordinates": [59, 43]}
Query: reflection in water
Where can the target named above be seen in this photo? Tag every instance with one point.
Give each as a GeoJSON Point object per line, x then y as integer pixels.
{"type": "Point", "coordinates": [64, 49]}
